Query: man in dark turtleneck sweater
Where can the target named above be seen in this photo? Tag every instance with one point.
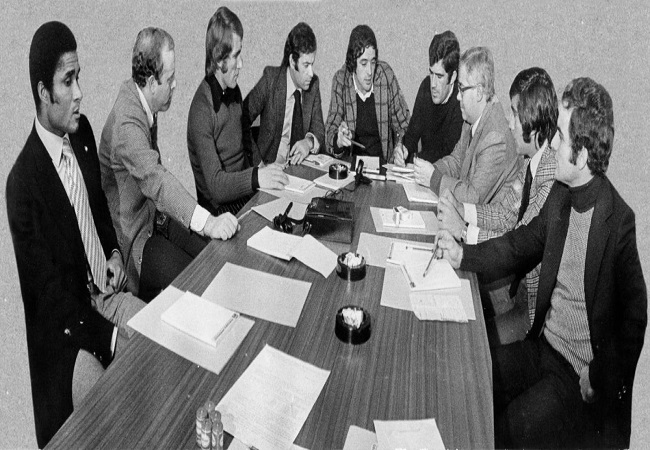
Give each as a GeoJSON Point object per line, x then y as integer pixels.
{"type": "Point", "coordinates": [569, 384]}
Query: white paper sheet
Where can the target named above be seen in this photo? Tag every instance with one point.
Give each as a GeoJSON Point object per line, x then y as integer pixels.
{"type": "Point", "coordinates": [269, 403]}
{"type": "Point", "coordinates": [148, 323]}
{"type": "Point", "coordinates": [305, 198]}
{"type": "Point", "coordinates": [278, 206]}
{"type": "Point", "coordinates": [370, 163]}
{"type": "Point", "coordinates": [438, 305]}
{"type": "Point", "coordinates": [236, 444]}
{"type": "Point", "coordinates": [313, 254]}
{"type": "Point", "coordinates": [375, 248]}
{"type": "Point", "coordinates": [408, 435]}
{"type": "Point", "coordinates": [329, 183]}
{"type": "Point", "coordinates": [415, 260]}
{"type": "Point", "coordinates": [299, 185]}
{"type": "Point", "coordinates": [360, 439]}
{"type": "Point", "coordinates": [428, 217]}
{"type": "Point", "coordinates": [258, 294]}
{"type": "Point", "coordinates": [322, 162]}
{"type": "Point", "coordinates": [416, 193]}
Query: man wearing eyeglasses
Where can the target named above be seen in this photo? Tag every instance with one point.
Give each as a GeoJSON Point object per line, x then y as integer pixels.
{"type": "Point", "coordinates": [484, 160]}
{"type": "Point", "coordinates": [437, 121]}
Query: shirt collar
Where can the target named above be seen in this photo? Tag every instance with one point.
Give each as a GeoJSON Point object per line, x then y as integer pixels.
{"type": "Point", "coordinates": [475, 124]}
{"type": "Point", "coordinates": [451, 91]}
{"type": "Point", "coordinates": [290, 83]}
{"type": "Point", "coordinates": [361, 95]}
{"type": "Point", "coordinates": [145, 105]}
{"type": "Point", "coordinates": [53, 143]}
{"type": "Point", "coordinates": [536, 158]}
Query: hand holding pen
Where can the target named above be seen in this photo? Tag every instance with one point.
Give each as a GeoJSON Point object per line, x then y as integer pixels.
{"type": "Point", "coordinates": [448, 248]}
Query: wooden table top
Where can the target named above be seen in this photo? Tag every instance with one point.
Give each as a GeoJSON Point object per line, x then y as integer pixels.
{"type": "Point", "coordinates": [409, 369]}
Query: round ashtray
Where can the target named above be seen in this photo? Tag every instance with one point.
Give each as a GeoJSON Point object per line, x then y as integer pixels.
{"type": "Point", "coordinates": [352, 325]}
{"type": "Point", "coordinates": [351, 266]}
{"type": "Point", "coordinates": [338, 171]}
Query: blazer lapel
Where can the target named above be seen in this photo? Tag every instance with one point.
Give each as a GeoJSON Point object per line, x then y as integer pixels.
{"type": "Point", "coordinates": [307, 101]}
{"type": "Point", "coordinates": [352, 102]}
{"type": "Point", "coordinates": [280, 103]}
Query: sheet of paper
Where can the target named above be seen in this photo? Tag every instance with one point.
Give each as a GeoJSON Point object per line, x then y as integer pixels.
{"type": "Point", "coordinates": [322, 162]}
{"type": "Point", "coordinates": [408, 435]}
{"type": "Point", "coordinates": [360, 439]}
{"type": "Point", "coordinates": [278, 206]}
{"type": "Point", "coordinates": [258, 294]}
{"type": "Point", "coordinates": [315, 255]}
{"type": "Point", "coordinates": [370, 163]}
{"type": "Point", "coordinates": [403, 218]}
{"type": "Point", "coordinates": [297, 197]}
{"type": "Point", "coordinates": [332, 184]}
{"type": "Point", "coordinates": [149, 323]}
{"type": "Point", "coordinates": [415, 260]}
{"type": "Point", "coordinates": [269, 403]}
{"type": "Point", "coordinates": [399, 169]}
{"type": "Point", "coordinates": [299, 185]}
{"type": "Point", "coordinates": [429, 218]}
{"type": "Point", "coordinates": [199, 318]}
{"type": "Point", "coordinates": [375, 248]}
{"type": "Point", "coordinates": [236, 444]}
{"type": "Point", "coordinates": [438, 305]}
{"type": "Point", "coordinates": [416, 193]}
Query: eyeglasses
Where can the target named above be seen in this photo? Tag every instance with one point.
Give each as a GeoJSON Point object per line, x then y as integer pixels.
{"type": "Point", "coordinates": [462, 88]}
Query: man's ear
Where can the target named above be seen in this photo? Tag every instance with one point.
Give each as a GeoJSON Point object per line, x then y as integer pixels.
{"type": "Point", "coordinates": [480, 93]}
{"type": "Point", "coordinates": [452, 77]}
{"type": "Point", "coordinates": [581, 160]}
{"type": "Point", "coordinates": [151, 83]}
{"type": "Point", "coordinates": [43, 93]}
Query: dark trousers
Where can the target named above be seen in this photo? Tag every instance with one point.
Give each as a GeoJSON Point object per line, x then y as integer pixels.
{"type": "Point", "coordinates": [166, 254]}
{"type": "Point", "coordinates": [537, 400]}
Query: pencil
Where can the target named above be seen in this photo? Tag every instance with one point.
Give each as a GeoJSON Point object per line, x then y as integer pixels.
{"type": "Point", "coordinates": [357, 144]}
{"type": "Point", "coordinates": [408, 276]}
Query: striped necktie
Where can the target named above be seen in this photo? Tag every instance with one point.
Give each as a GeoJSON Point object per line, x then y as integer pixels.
{"type": "Point", "coordinates": [79, 198]}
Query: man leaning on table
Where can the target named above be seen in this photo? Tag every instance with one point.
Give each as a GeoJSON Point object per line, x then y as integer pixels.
{"type": "Point", "coordinates": [484, 160]}
{"type": "Point", "coordinates": [159, 225]}
{"type": "Point", "coordinates": [70, 269]}
{"type": "Point", "coordinates": [437, 121]}
{"type": "Point", "coordinates": [218, 141]}
{"type": "Point", "coordinates": [367, 104]}
{"type": "Point", "coordinates": [569, 384]}
{"type": "Point", "coordinates": [287, 100]}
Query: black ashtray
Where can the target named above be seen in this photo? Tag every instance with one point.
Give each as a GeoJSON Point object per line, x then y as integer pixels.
{"type": "Point", "coordinates": [349, 333]}
{"type": "Point", "coordinates": [348, 271]}
{"type": "Point", "coordinates": [338, 171]}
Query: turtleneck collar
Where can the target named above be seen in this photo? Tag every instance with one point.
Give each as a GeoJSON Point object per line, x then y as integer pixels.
{"type": "Point", "coordinates": [584, 197]}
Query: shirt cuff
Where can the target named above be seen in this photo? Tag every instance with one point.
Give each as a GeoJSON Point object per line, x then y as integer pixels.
{"type": "Point", "coordinates": [470, 213]}
{"type": "Point", "coordinates": [255, 182]}
{"type": "Point", "coordinates": [316, 147]}
{"type": "Point", "coordinates": [472, 234]}
{"type": "Point", "coordinates": [113, 341]}
{"type": "Point", "coordinates": [199, 218]}
{"type": "Point", "coordinates": [436, 180]}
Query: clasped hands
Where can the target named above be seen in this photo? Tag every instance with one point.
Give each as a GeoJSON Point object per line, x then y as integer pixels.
{"type": "Point", "coordinates": [450, 227]}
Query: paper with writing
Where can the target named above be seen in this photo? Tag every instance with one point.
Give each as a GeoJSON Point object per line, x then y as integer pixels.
{"type": "Point", "coordinates": [375, 248]}
{"type": "Point", "coordinates": [440, 275]}
{"type": "Point", "coordinates": [270, 210]}
{"type": "Point", "coordinates": [332, 184]}
{"type": "Point", "coordinates": [359, 439]}
{"type": "Point", "coordinates": [421, 194]}
{"type": "Point", "coordinates": [408, 435]}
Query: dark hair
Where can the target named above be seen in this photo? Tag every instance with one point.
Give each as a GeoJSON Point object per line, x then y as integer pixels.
{"type": "Point", "coordinates": [479, 63]}
{"type": "Point", "coordinates": [218, 39]}
{"type": "Point", "coordinates": [361, 38]}
{"type": "Point", "coordinates": [147, 54]}
{"type": "Point", "coordinates": [592, 122]}
{"type": "Point", "coordinates": [445, 47]}
{"type": "Point", "coordinates": [537, 108]}
{"type": "Point", "coordinates": [50, 42]}
{"type": "Point", "coordinates": [301, 40]}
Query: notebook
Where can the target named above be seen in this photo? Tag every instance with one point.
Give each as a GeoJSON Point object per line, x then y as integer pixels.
{"type": "Point", "coordinates": [417, 193]}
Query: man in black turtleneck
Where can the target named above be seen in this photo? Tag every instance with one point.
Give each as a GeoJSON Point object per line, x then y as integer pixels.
{"type": "Point", "coordinates": [569, 384]}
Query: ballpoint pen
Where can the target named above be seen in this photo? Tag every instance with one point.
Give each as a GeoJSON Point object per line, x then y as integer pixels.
{"type": "Point", "coordinates": [433, 258]}
{"type": "Point", "coordinates": [357, 144]}
{"type": "Point", "coordinates": [408, 275]}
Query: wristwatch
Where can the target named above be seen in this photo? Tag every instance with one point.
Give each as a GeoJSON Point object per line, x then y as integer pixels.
{"type": "Point", "coordinates": [463, 234]}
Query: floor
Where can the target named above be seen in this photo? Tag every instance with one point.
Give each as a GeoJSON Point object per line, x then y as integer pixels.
{"type": "Point", "coordinates": [605, 40]}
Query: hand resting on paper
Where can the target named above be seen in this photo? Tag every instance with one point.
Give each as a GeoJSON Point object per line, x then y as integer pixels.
{"type": "Point", "coordinates": [448, 248]}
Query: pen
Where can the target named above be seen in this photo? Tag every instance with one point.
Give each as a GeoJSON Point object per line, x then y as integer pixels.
{"type": "Point", "coordinates": [433, 257]}
{"type": "Point", "coordinates": [408, 276]}
{"type": "Point", "coordinates": [390, 253]}
{"type": "Point", "coordinates": [424, 249]}
{"type": "Point", "coordinates": [357, 144]}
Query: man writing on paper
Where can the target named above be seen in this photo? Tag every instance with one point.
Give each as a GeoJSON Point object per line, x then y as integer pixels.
{"type": "Point", "coordinates": [160, 227]}
{"type": "Point", "coordinates": [437, 120]}
{"type": "Point", "coordinates": [569, 384]}
{"type": "Point", "coordinates": [367, 105]}
{"type": "Point", "coordinates": [484, 160]}
{"type": "Point", "coordinates": [533, 123]}
{"type": "Point", "coordinates": [69, 265]}
{"type": "Point", "coordinates": [218, 140]}
{"type": "Point", "coordinates": [287, 99]}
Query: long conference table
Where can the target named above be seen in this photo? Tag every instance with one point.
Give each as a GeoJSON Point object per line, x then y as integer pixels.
{"type": "Point", "coordinates": [408, 369]}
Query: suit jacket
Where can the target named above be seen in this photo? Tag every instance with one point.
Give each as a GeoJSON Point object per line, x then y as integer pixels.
{"type": "Point", "coordinates": [615, 292]}
{"type": "Point", "coordinates": [268, 100]}
{"type": "Point", "coordinates": [52, 271]}
{"type": "Point", "coordinates": [135, 181]}
{"type": "Point", "coordinates": [480, 167]}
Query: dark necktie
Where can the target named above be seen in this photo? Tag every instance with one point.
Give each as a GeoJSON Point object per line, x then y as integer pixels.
{"type": "Point", "coordinates": [154, 132]}
{"type": "Point", "coordinates": [296, 121]}
{"type": "Point", "coordinates": [525, 194]}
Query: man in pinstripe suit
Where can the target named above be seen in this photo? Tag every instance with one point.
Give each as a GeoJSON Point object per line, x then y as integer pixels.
{"type": "Point", "coordinates": [533, 122]}
{"type": "Point", "coordinates": [159, 225]}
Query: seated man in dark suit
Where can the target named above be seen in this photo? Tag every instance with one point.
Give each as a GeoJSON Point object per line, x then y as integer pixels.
{"type": "Point", "coordinates": [569, 384]}
{"type": "Point", "coordinates": [437, 121]}
{"type": "Point", "coordinates": [70, 269]}
{"type": "Point", "coordinates": [287, 99]}
{"type": "Point", "coordinates": [218, 138]}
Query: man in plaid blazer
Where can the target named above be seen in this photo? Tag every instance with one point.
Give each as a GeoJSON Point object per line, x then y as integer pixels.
{"type": "Point", "coordinates": [533, 122]}
{"type": "Point", "coordinates": [367, 104]}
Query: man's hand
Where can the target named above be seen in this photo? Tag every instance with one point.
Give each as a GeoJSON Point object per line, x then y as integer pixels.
{"type": "Point", "coordinates": [300, 151]}
{"type": "Point", "coordinates": [449, 219]}
{"type": "Point", "coordinates": [400, 154]}
{"type": "Point", "coordinates": [423, 171]}
{"type": "Point", "coordinates": [458, 206]}
{"type": "Point", "coordinates": [272, 177]}
{"type": "Point", "coordinates": [344, 136]}
{"type": "Point", "coordinates": [448, 248]}
{"type": "Point", "coordinates": [588, 394]}
{"type": "Point", "coordinates": [116, 273]}
{"type": "Point", "coordinates": [221, 227]}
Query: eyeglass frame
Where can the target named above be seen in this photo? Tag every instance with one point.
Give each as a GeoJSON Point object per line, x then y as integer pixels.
{"type": "Point", "coordinates": [462, 89]}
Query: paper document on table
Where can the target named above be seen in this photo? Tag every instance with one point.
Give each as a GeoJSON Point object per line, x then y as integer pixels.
{"type": "Point", "coordinates": [270, 210]}
{"type": "Point", "coordinates": [416, 260]}
{"type": "Point", "coordinates": [259, 294]}
{"type": "Point", "coordinates": [370, 163]}
{"type": "Point", "coordinates": [360, 439]}
{"type": "Point", "coordinates": [417, 193]}
{"type": "Point", "coordinates": [199, 318]}
{"type": "Point", "coordinates": [408, 435]}
{"type": "Point", "coordinates": [305, 249]}
{"type": "Point", "coordinates": [322, 161]}
{"type": "Point", "coordinates": [148, 322]}
{"type": "Point", "coordinates": [410, 168]}
{"type": "Point", "coordinates": [332, 184]}
{"type": "Point", "coordinates": [298, 197]}
{"type": "Point", "coordinates": [441, 305]}
{"type": "Point", "coordinates": [429, 219]}
{"type": "Point", "coordinates": [376, 248]}
{"type": "Point", "coordinates": [269, 403]}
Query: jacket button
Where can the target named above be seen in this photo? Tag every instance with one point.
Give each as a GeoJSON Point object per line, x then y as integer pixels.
{"type": "Point", "coordinates": [67, 331]}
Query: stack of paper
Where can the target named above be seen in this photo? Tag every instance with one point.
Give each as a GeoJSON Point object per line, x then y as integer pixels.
{"type": "Point", "coordinates": [322, 162]}
{"type": "Point", "coordinates": [415, 259]}
{"type": "Point", "coordinates": [416, 193]}
{"type": "Point", "coordinates": [420, 222]}
{"type": "Point", "coordinates": [401, 218]}
{"type": "Point", "coordinates": [408, 434]}
{"type": "Point", "coordinates": [330, 183]}
{"type": "Point", "coordinates": [400, 174]}
{"type": "Point", "coordinates": [298, 185]}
